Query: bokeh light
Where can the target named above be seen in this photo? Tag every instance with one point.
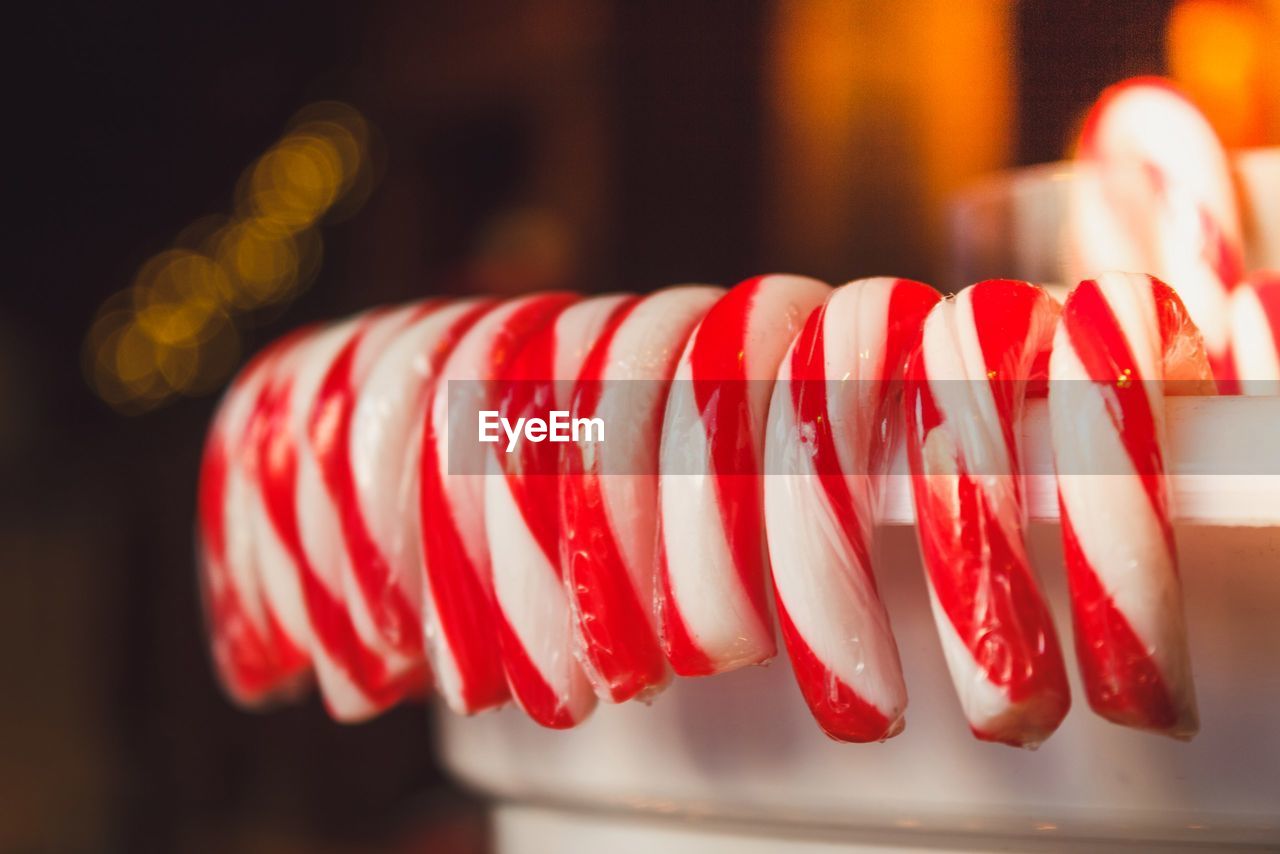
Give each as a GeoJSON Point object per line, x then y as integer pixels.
{"type": "Point", "coordinates": [1218, 51]}
{"type": "Point", "coordinates": [174, 330]}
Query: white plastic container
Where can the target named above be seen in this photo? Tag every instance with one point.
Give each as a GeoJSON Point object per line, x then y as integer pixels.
{"type": "Point", "coordinates": [735, 762]}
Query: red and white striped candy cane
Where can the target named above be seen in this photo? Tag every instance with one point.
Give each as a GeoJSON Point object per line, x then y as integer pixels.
{"type": "Point", "coordinates": [332, 441]}
{"type": "Point", "coordinates": [712, 603]}
{"type": "Point", "coordinates": [274, 557]}
{"type": "Point", "coordinates": [965, 388]}
{"type": "Point", "coordinates": [461, 625]}
{"type": "Point", "coordinates": [379, 487]}
{"type": "Point", "coordinates": [355, 680]}
{"type": "Point", "coordinates": [252, 655]}
{"type": "Point", "coordinates": [834, 412]}
{"type": "Point", "coordinates": [522, 517]}
{"type": "Point", "coordinates": [610, 490]}
{"type": "Point", "coordinates": [1153, 191]}
{"type": "Point", "coordinates": [1255, 334]}
{"type": "Point", "coordinates": [1123, 341]}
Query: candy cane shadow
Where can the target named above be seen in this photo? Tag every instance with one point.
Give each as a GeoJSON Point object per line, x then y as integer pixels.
{"type": "Point", "coordinates": [731, 741]}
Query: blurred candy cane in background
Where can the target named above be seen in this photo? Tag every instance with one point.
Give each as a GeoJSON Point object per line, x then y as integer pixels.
{"type": "Point", "coordinates": [1255, 333]}
{"type": "Point", "coordinates": [1153, 192]}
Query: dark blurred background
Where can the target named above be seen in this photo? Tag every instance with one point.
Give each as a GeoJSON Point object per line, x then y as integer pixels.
{"type": "Point", "coordinates": [481, 146]}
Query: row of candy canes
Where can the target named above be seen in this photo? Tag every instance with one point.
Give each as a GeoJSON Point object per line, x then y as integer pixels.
{"type": "Point", "coordinates": [342, 535]}
{"type": "Point", "coordinates": [340, 538]}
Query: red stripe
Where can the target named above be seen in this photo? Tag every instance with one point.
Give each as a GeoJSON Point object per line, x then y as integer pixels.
{"type": "Point", "coordinates": [588, 389]}
{"type": "Point", "coordinates": [1224, 256]}
{"type": "Point", "coordinates": [909, 305]}
{"type": "Point", "coordinates": [615, 627]}
{"type": "Point", "coordinates": [243, 659]}
{"type": "Point", "coordinates": [1268, 292]}
{"type": "Point", "coordinates": [525, 362]}
{"type": "Point", "coordinates": [291, 658]}
{"type": "Point", "coordinates": [1103, 349]}
{"type": "Point", "coordinates": [329, 428]}
{"type": "Point", "coordinates": [836, 707]}
{"type": "Point", "coordinates": [211, 495]}
{"type": "Point", "coordinates": [253, 659]}
{"type": "Point", "coordinates": [981, 578]}
{"type": "Point", "coordinates": [528, 390]}
{"type": "Point", "coordinates": [464, 605]}
{"type": "Point", "coordinates": [536, 697]}
{"type": "Point", "coordinates": [331, 624]}
{"type": "Point", "coordinates": [813, 419]}
{"type": "Point", "coordinates": [1266, 287]}
{"type": "Point", "coordinates": [683, 653]}
{"type": "Point", "coordinates": [1003, 313]}
{"type": "Point", "coordinates": [719, 375]}
{"type": "Point", "coordinates": [1121, 679]}
{"type": "Point", "coordinates": [458, 587]}
{"type": "Point", "coordinates": [909, 302]}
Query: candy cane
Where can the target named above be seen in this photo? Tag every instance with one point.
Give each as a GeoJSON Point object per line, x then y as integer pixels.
{"type": "Point", "coordinates": [1122, 340]}
{"type": "Point", "coordinates": [378, 487]}
{"type": "Point", "coordinates": [610, 490]}
{"type": "Point", "coordinates": [1255, 334]}
{"type": "Point", "coordinates": [253, 657]}
{"type": "Point", "coordinates": [355, 681]}
{"type": "Point", "coordinates": [1153, 192]}
{"type": "Point", "coordinates": [460, 623]}
{"type": "Point", "coordinates": [353, 557]}
{"type": "Point", "coordinates": [278, 574]}
{"type": "Point", "coordinates": [836, 402]}
{"type": "Point", "coordinates": [522, 516]}
{"type": "Point", "coordinates": [712, 605]}
{"type": "Point", "coordinates": [965, 388]}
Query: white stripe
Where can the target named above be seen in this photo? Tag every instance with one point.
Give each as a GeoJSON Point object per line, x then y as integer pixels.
{"type": "Point", "coordinates": [824, 591]}
{"type": "Point", "coordinates": [1253, 344]}
{"type": "Point", "coordinates": [641, 360]}
{"type": "Point", "coordinates": [705, 586]}
{"type": "Point", "coordinates": [983, 702]}
{"type": "Point", "coordinates": [957, 378]}
{"type": "Point", "coordinates": [1118, 530]}
{"type": "Point", "coordinates": [385, 443]}
{"type": "Point", "coordinates": [527, 589]}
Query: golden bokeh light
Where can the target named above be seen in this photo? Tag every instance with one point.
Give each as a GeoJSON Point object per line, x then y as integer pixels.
{"type": "Point", "coordinates": [174, 330]}
{"type": "Point", "coordinates": [294, 183]}
{"type": "Point", "coordinates": [177, 293]}
{"type": "Point", "coordinates": [1218, 51]}
{"type": "Point", "coordinates": [262, 261]}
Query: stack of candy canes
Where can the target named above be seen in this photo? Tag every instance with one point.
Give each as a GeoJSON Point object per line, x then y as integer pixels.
{"type": "Point", "coordinates": [346, 543]}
